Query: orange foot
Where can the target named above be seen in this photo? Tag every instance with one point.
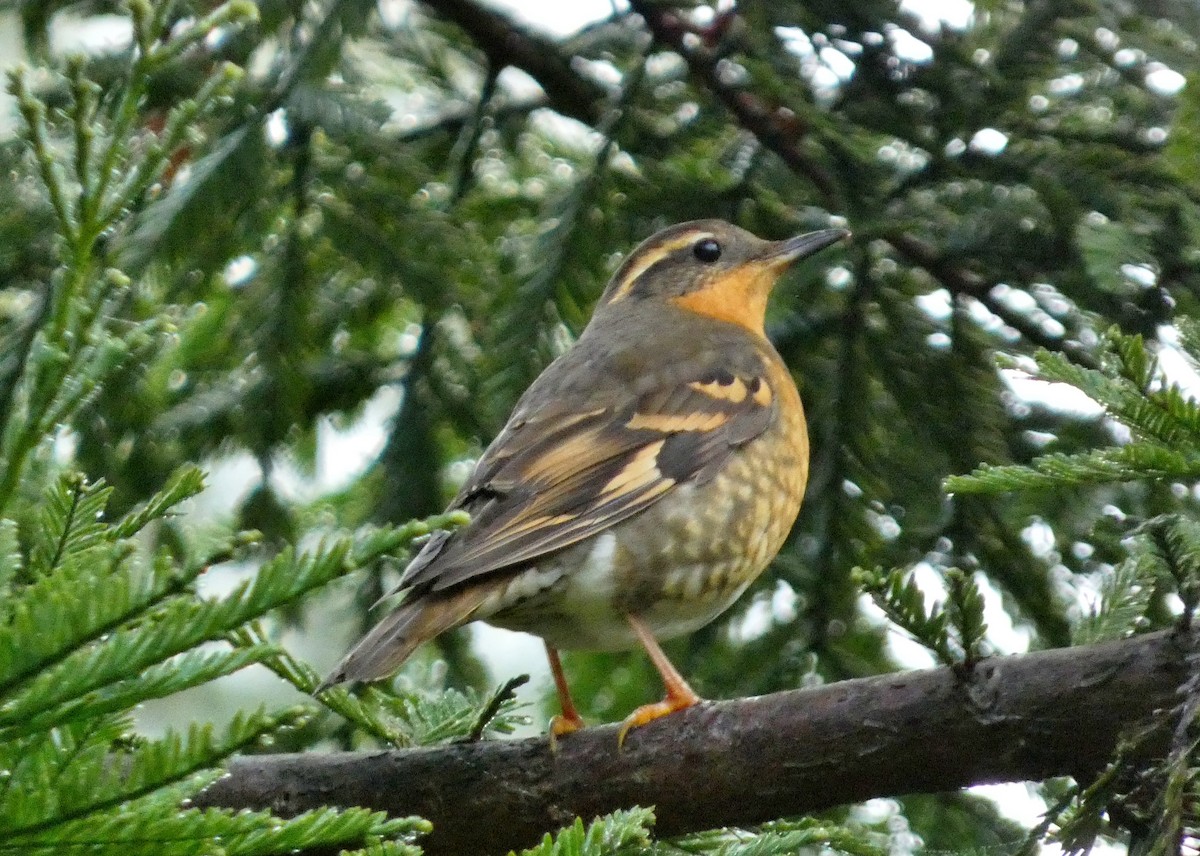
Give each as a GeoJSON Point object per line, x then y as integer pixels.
{"type": "Point", "coordinates": [678, 698]}
{"type": "Point", "coordinates": [648, 713]}
{"type": "Point", "coordinates": [563, 724]}
{"type": "Point", "coordinates": [679, 694]}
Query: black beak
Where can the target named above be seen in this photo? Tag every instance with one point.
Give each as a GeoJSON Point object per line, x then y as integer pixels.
{"type": "Point", "coordinates": [783, 253]}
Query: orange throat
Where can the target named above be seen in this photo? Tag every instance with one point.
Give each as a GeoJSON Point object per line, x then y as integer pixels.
{"type": "Point", "coordinates": [739, 297]}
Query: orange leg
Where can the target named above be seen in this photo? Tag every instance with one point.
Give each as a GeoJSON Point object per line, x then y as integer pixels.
{"type": "Point", "coordinates": [679, 694]}
{"type": "Point", "coordinates": [569, 720]}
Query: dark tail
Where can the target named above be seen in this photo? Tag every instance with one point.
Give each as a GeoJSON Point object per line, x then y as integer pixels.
{"type": "Point", "coordinates": [384, 650]}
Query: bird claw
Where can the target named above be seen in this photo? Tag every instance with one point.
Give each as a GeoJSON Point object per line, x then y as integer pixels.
{"type": "Point", "coordinates": [561, 725]}
{"type": "Point", "coordinates": [649, 712]}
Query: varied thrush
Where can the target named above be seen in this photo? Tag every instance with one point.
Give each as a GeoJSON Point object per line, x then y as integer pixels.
{"type": "Point", "coordinates": [643, 481]}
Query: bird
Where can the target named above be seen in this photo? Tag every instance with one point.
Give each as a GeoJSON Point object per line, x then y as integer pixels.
{"type": "Point", "coordinates": [642, 482]}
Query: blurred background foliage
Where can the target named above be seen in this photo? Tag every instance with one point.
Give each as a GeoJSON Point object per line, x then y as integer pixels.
{"type": "Point", "coordinates": [399, 212]}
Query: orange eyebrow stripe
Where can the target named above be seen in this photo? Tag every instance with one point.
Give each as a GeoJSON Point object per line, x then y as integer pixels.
{"type": "Point", "coordinates": [652, 257]}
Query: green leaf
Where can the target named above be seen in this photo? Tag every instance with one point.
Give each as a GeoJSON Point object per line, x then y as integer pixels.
{"type": "Point", "coordinates": [70, 521]}
{"type": "Point", "coordinates": [184, 484]}
{"type": "Point", "coordinates": [93, 594]}
{"type": "Point", "coordinates": [964, 606]}
{"type": "Point", "coordinates": [115, 686]}
{"type": "Point", "coordinates": [1184, 142]}
{"type": "Point", "coordinates": [191, 831]}
{"type": "Point", "coordinates": [896, 592]}
{"type": "Point", "coordinates": [426, 719]}
{"type": "Point", "coordinates": [91, 777]}
{"type": "Point", "coordinates": [1138, 461]}
{"type": "Point", "coordinates": [1124, 596]}
{"type": "Point", "coordinates": [622, 833]}
{"type": "Point", "coordinates": [11, 566]}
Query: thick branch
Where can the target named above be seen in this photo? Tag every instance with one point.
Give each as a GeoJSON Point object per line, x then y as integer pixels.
{"type": "Point", "coordinates": [507, 44]}
{"type": "Point", "coordinates": [741, 762]}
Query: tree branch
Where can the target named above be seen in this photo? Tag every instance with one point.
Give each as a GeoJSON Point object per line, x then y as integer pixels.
{"type": "Point", "coordinates": [778, 129]}
{"type": "Point", "coordinates": [741, 762]}
{"type": "Point", "coordinates": [505, 44]}
{"type": "Point", "coordinates": [959, 280]}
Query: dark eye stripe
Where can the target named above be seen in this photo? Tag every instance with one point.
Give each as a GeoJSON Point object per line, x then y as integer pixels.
{"type": "Point", "coordinates": [637, 266]}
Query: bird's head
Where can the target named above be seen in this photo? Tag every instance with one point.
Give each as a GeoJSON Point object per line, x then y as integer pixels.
{"type": "Point", "coordinates": [712, 268]}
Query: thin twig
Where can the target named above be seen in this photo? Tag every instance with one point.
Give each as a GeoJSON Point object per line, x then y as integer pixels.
{"type": "Point", "coordinates": [960, 281]}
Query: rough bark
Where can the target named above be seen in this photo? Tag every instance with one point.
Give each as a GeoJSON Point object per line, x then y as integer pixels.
{"type": "Point", "coordinates": [741, 762]}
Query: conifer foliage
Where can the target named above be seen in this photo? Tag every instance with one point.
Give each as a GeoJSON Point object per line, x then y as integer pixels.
{"type": "Point", "coordinates": [97, 613]}
{"type": "Point", "coordinates": [249, 230]}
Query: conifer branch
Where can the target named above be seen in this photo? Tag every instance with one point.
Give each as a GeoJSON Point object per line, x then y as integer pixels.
{"type": "Point", "coordinates": [958, 280]}
{"type": "Point", "coordinates": [776, 128]}
{"type": "Point", "coordinates": [507, 44]}
{"type": "Point", "coordinates": [742, 762]}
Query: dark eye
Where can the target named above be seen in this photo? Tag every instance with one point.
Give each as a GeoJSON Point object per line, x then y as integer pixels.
{"type": "Point", "coordinates": [707, 251]}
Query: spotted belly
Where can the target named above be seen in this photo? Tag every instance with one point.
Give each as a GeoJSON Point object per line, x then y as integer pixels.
{"type": "Point", "coordinates": [677, 565]}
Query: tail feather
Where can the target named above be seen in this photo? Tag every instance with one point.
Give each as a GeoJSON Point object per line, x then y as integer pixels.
{"type": "Point", "coordinates": [384, 650]}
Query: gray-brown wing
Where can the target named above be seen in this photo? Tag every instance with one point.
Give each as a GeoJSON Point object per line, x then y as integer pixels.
{"type": "Point", "coordinates": [554, 478]}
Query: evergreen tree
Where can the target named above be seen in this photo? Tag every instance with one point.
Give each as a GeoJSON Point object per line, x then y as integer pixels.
{"type": "Point", "coordinates": [248, 222]}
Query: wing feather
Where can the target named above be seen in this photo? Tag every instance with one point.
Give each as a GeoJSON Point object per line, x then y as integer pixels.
{"type": "Point", "coordinates": [552, 479]}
